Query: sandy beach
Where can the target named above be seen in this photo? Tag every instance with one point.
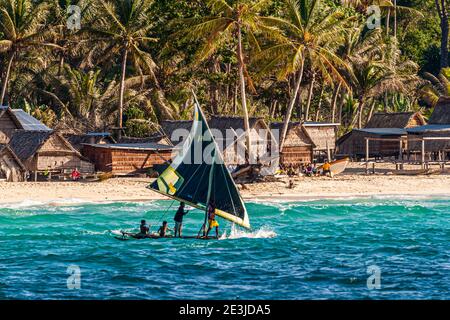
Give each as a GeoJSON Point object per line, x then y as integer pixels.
{"type": "Point", "coordinates": [354, 183]}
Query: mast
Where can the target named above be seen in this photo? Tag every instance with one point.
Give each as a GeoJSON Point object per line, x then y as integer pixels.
{"type": "Point", "coordinates": [210, 184]}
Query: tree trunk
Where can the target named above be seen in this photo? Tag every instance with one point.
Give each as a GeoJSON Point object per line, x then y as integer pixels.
{"type": "Point", "coordinates": [6, 80]}
{"type": "Point", "coordinates": [372, 109]}
{"type": "Point", "coordinates": [443, 15]}
{"type": "Point", "coordinates": [395, 19]}
{"type": "Point", "coordinates": [319, 106]}
{"type": "Point", "coordinates": [360, 114]}
{"type": "Point", "coordinates": [388, 22]}
{"type": "Point", "coordinates": [288, 115]}
{"type": "Point", "coordinates": [334, 102]}
{"type": "Point", "coordinates": [122, 87]}
{"type": "Point", "coordinates": [243, 93]}
{"type": "Point", "coordinates": [310, 93]}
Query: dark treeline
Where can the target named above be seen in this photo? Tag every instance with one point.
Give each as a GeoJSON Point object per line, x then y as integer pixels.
{"type": "Point", "coordinates": [134, 63]}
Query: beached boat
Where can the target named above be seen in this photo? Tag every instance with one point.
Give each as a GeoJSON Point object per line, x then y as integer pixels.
{"type": "Point", "coordinates": [198, 175]}
{"type": "Point", "coordinates": [338, 166]}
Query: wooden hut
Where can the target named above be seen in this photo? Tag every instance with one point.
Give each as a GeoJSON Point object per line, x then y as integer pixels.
{"type": "Point", "coordinates": [385, 131]}
{"type": "Point", "coordinates": [17, 119]}
{"type": "Point", "coordinates": [436, 133]}
{"type": "Point", "coordinates": [47, 151]}
{"type": "Point", "coordinates": [125, 159]}
{"type": "Point", "coordinates": [298, 146]}
{"type": "Point", "coordinates": [11, 168]}
{"type": "Point", "coordinates": [324, 137]}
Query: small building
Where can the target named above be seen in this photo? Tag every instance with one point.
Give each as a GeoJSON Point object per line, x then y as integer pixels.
{"type": "Point", "coordinates": [127, 158]}
{"type": "Point", "coordinates": [11, 168]}
{"type": "Point", "coordinates": [385, 130]}
{"type": "Point", "coordinates": [47, 151]}
{"type": "Point", "coordinates": [324, 136]}
{"type": "Point", "coordinates": [437, 131]}
{"type": "Point", "coordinates": [17, 119]}
{"type": "Point", "coordinates": [298, 146]}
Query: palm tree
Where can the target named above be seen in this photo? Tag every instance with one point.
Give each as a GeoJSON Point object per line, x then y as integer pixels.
{"type": "Point", "coordinates": [124, 26]}
{"type": "Point", "coordinates": [313, 33]}
{"type": "Point", "coordinates": [231, 19]}
{"type": "Point", "coordinates": [22, 24]}
{"type": "Point", "coordinates": [436, 87]}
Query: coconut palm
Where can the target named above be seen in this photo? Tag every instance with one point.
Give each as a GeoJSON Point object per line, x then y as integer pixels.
{"type": "Point", "coordinates": [122, 27]}
{"type": "Point", "coordinates": [22, 23]}
{"type": "Point", "coordinates": [436, 87]}
{"type": "Point", "coordinates": [229, 20]}
{"type": "Point", "coordinates": [313, 34]}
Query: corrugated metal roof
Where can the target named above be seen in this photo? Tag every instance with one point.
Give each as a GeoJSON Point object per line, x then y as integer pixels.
{"type": "Point", "coordinates": [28, 122]}
{"type": "Point", "coordinates": [132, 146]}
{"type": "Point", "coordinates": [98, 134]}
{"type": "Point", "coordinates": [384, 131]}
{"type": "Point", "coordinates": [320, 124]}
{"type": "Point", "coordinates": [430, 128]}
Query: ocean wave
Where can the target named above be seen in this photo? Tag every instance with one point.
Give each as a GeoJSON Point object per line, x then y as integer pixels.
{"type": "Point", "coordinates": [262, 233]}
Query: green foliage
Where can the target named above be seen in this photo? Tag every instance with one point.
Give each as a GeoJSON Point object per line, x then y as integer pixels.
{"type": "Point", "coordinates": [175, 46]}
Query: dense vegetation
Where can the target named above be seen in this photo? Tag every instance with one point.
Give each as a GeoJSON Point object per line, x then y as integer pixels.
{"type": "Point", "coordinates": [134, 63]}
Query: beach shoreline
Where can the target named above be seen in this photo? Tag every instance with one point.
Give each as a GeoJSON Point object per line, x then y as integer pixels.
{"type": "Point", "coordinates": [346, 186]}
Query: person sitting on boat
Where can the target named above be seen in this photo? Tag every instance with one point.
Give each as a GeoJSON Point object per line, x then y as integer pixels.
{"type": "Point", "coordinates": [326, 169]}
{"type": "Point", "coordinates": [162, 231]}
{"type": "Point", "coordinates": [179, 219]}
{"type": "Point", "coordinates": [212, 222]}
{"type": "Point", "coordinates": [143, 228]}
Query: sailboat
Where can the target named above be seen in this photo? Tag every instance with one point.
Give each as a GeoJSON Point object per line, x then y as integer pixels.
{"type": "Point", "coordinates": [198, 175]}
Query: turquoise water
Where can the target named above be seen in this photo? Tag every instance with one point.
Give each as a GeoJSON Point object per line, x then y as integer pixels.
{"type": "Point", "coordinates": [303, 250]}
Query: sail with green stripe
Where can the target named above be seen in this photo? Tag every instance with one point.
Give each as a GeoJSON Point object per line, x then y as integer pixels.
{"type": "Point", "coordinates": [198, 174]}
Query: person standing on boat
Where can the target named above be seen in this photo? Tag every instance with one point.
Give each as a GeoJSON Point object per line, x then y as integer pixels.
{"type": "Point", "coordinates": [212, 222]}
{"type": "Point", "coordinates": [179, 219]}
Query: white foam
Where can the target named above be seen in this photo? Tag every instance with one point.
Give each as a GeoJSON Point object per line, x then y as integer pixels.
{"type": "Point", "coordinates": [34, 203]}
{"type": "Point", "coordinates": [262, 233]}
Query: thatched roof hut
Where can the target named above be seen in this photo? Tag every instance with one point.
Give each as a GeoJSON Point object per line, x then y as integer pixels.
{"type": "Point", "coordinates": [11, 168]}
{"type": "Point", "coordinates": [381, 126]}
{"type": "Point", "coordinates": [47, 151]}
{"type": "Point", "coordinates": [396, 120]}
{"type": "Point", "coordinates": [17, 119]}
{"type": "Point", "coordinates": [298, 146]}
{"type": "Point", "coordinates": [169, 128]}
{"type": "Point", "coordinates": [438, 127]}
{"type": "Point", "coordinates": [78, 140]}
{"type": "Point", "coordinates": [324, 137]}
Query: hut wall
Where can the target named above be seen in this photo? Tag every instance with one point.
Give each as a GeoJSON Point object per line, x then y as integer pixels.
{"type": "Point", "coordinates": [296, 155]}
{"type": "Point", "coordinates": [54, 162]}
{"type": "Point", "coordinates": [100, 157]}
{"type": "Point", "coordinates": [323, 137]}
{"type": "Point", "coordinates": [125, 161]}
{"type": "Point", "coordinates": [10, 170]}
{"type": "Point", "coordinates": [355, 146]}
{"type": "Point", "coordinates": [430, 146]}
{"type": "Point", "coordinates": [133, 161]}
